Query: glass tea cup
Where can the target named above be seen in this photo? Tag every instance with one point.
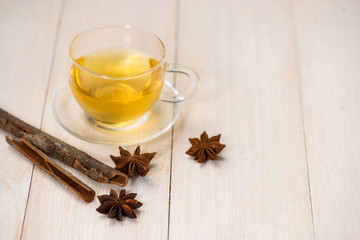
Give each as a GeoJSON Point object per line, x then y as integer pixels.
{"type": "Point", "coordinates": [117, 73]}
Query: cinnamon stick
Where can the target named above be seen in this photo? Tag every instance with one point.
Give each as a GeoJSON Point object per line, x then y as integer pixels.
{"type": "Point", "coordinates": [62, 151]}
{"type": "Point", "coordinates": [42, 161]}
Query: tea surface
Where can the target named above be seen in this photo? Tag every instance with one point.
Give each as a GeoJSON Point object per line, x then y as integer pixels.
{"type": "Point", "coordinates": [118, 100]}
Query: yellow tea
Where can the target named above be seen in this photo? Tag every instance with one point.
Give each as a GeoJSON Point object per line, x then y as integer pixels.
{"type": "Point", "coordinates": [119, 86]}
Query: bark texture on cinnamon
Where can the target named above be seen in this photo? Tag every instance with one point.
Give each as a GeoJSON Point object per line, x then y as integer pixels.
{"type": "Point", "coordinates": [43, 162]}
{"type": "Point", "coordinates": [62, 151]}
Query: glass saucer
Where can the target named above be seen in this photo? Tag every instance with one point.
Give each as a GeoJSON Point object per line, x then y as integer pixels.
{"type": "Point", "coordinates": [73, 119]}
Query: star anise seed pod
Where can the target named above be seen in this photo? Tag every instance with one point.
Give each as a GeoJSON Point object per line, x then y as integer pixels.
{"type": "Point", "coordinates": [205, 148]}
{"type": "Point", "coordinates": [133, 164]}
{"type": "Point", "coordinates": [116, 207]}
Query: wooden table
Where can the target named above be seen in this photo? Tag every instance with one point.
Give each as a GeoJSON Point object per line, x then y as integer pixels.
{"type": "Point", "coordinates": [280, 81]}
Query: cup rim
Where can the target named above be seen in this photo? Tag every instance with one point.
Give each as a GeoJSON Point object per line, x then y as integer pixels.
{"type": "Point", "coordinates": [116, 26]}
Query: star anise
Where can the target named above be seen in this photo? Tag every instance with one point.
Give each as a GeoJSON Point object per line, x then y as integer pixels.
{"type": "Point", "coordinates": [205, 148]}
{"type": "Point", "coordinates": [133, 164]}
{"type": "Point", "coordinates": [115, 206]}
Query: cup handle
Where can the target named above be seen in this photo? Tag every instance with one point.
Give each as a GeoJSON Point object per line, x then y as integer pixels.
{"type": "Point", "coordinates": [190, 92]}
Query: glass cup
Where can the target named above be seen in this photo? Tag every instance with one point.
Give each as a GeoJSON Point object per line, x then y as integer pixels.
{"type": "Point", "coordinates": [117, 73]}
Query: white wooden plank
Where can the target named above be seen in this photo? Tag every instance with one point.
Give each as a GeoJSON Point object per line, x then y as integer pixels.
{"type": "Point", "coordinates": [26, 45]}
{"type": "Point", "coordinates": [53, 210]}
{"type": "Point", "coordinates": [245, 54]}
{"type": "Point", "coordinates": [328, 39]}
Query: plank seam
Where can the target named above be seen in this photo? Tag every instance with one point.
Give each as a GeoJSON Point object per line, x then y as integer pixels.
{"type": "Point", "coordinates": [298, 67]}
{"type": "Point", "coordinates": [176, 53]}
{"type": "Point", "coordinates": [58, 25]}
{"type": "Point", "coordinates": [57, 33]}
{"type": "Point", "coordinates": [27, 200]}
